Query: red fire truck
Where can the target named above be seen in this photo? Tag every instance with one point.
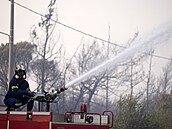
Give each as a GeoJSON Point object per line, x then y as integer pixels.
{"type": "Point", "coordinates": [48, 120]}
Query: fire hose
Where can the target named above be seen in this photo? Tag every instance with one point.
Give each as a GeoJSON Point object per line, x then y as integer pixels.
{"type": "Point", "coordinates": [46, 96]}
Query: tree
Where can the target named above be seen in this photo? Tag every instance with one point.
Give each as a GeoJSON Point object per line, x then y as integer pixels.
{"type": "Point", "coordinates": [92, 55]}
{"type": "Point", "coordinates": [163, 98]}
{"type": "Point", "coordinates": [132, 114]}
{"type": "Point", "coordinates": [3, 68]}
{"type": "Point", "coordinates": [166, 78]}
{"type": "Point", "coordinates": [46, 66]}
{"type": "Point", "coordinates": [87, 58]}
{"type": "Point", "coordinates": [23, 53]}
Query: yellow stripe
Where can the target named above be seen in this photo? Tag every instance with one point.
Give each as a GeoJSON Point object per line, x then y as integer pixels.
{"type": "Point", "coordinates": [28, 89]}
{"type": "Point", "coordinates": [14, 87]}
{"type": "Point", "coordinates": [18, 104]}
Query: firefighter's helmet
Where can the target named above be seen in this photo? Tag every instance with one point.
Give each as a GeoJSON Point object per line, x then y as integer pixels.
{"type": "Point", "coordinates": [20, 72]}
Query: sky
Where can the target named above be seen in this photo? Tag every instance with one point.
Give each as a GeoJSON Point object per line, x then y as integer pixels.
{"type": "Point", "coordinates": [125, 18]}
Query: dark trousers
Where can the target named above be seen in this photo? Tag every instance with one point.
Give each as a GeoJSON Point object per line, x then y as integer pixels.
{"type": "Point", "coordinates": [16, 103]}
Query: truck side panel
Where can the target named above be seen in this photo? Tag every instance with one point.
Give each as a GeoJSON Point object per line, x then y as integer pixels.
{"type": "Point", "coordinates": [77, 126]}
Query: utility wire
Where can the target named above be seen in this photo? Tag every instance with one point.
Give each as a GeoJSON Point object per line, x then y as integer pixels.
{"type": "Point", "coordinates": [4, 33]}
{"type": "Point", "coordinates": [69, 26]}
{"type": "Point", "coordinates": [82, 31]}
{"type": "Point", "coordinates": [162, 57]}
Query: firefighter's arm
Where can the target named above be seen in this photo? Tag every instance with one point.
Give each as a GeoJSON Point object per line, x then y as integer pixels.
{"type": "Point", "coordinates": [19, 92]}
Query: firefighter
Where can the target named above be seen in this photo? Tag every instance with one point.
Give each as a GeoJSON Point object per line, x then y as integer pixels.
{"type": "Point", "coordinates": [19, 92]}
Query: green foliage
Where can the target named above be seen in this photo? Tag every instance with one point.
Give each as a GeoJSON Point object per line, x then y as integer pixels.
{"type": "Point", "coordinates": [130, 114]}
{"type": "Point", "coordinates": [163, 108]}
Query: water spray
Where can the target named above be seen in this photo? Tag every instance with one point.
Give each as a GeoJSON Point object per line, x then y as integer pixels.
{"type": "Point", "coordinates": [159, 35]}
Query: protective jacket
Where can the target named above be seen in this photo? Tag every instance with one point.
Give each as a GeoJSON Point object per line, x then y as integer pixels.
{"type": "Point", "coordinates": [18, 95]}
{"type": "Point", "coordinates": [17, 89]}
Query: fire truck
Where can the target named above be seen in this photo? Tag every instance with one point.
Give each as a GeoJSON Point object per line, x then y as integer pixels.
{"type": "Point", "coordinates": [49, 120]}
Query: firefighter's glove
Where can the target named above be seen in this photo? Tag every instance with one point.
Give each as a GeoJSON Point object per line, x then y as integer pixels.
{"type": "Point", "coordinates": [31, 93]}
{"type": "Point", "coordinates": [63, 89]}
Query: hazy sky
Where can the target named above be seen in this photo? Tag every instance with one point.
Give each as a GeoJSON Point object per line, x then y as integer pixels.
{"type": "Point", "coordinates": [125, 17]}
